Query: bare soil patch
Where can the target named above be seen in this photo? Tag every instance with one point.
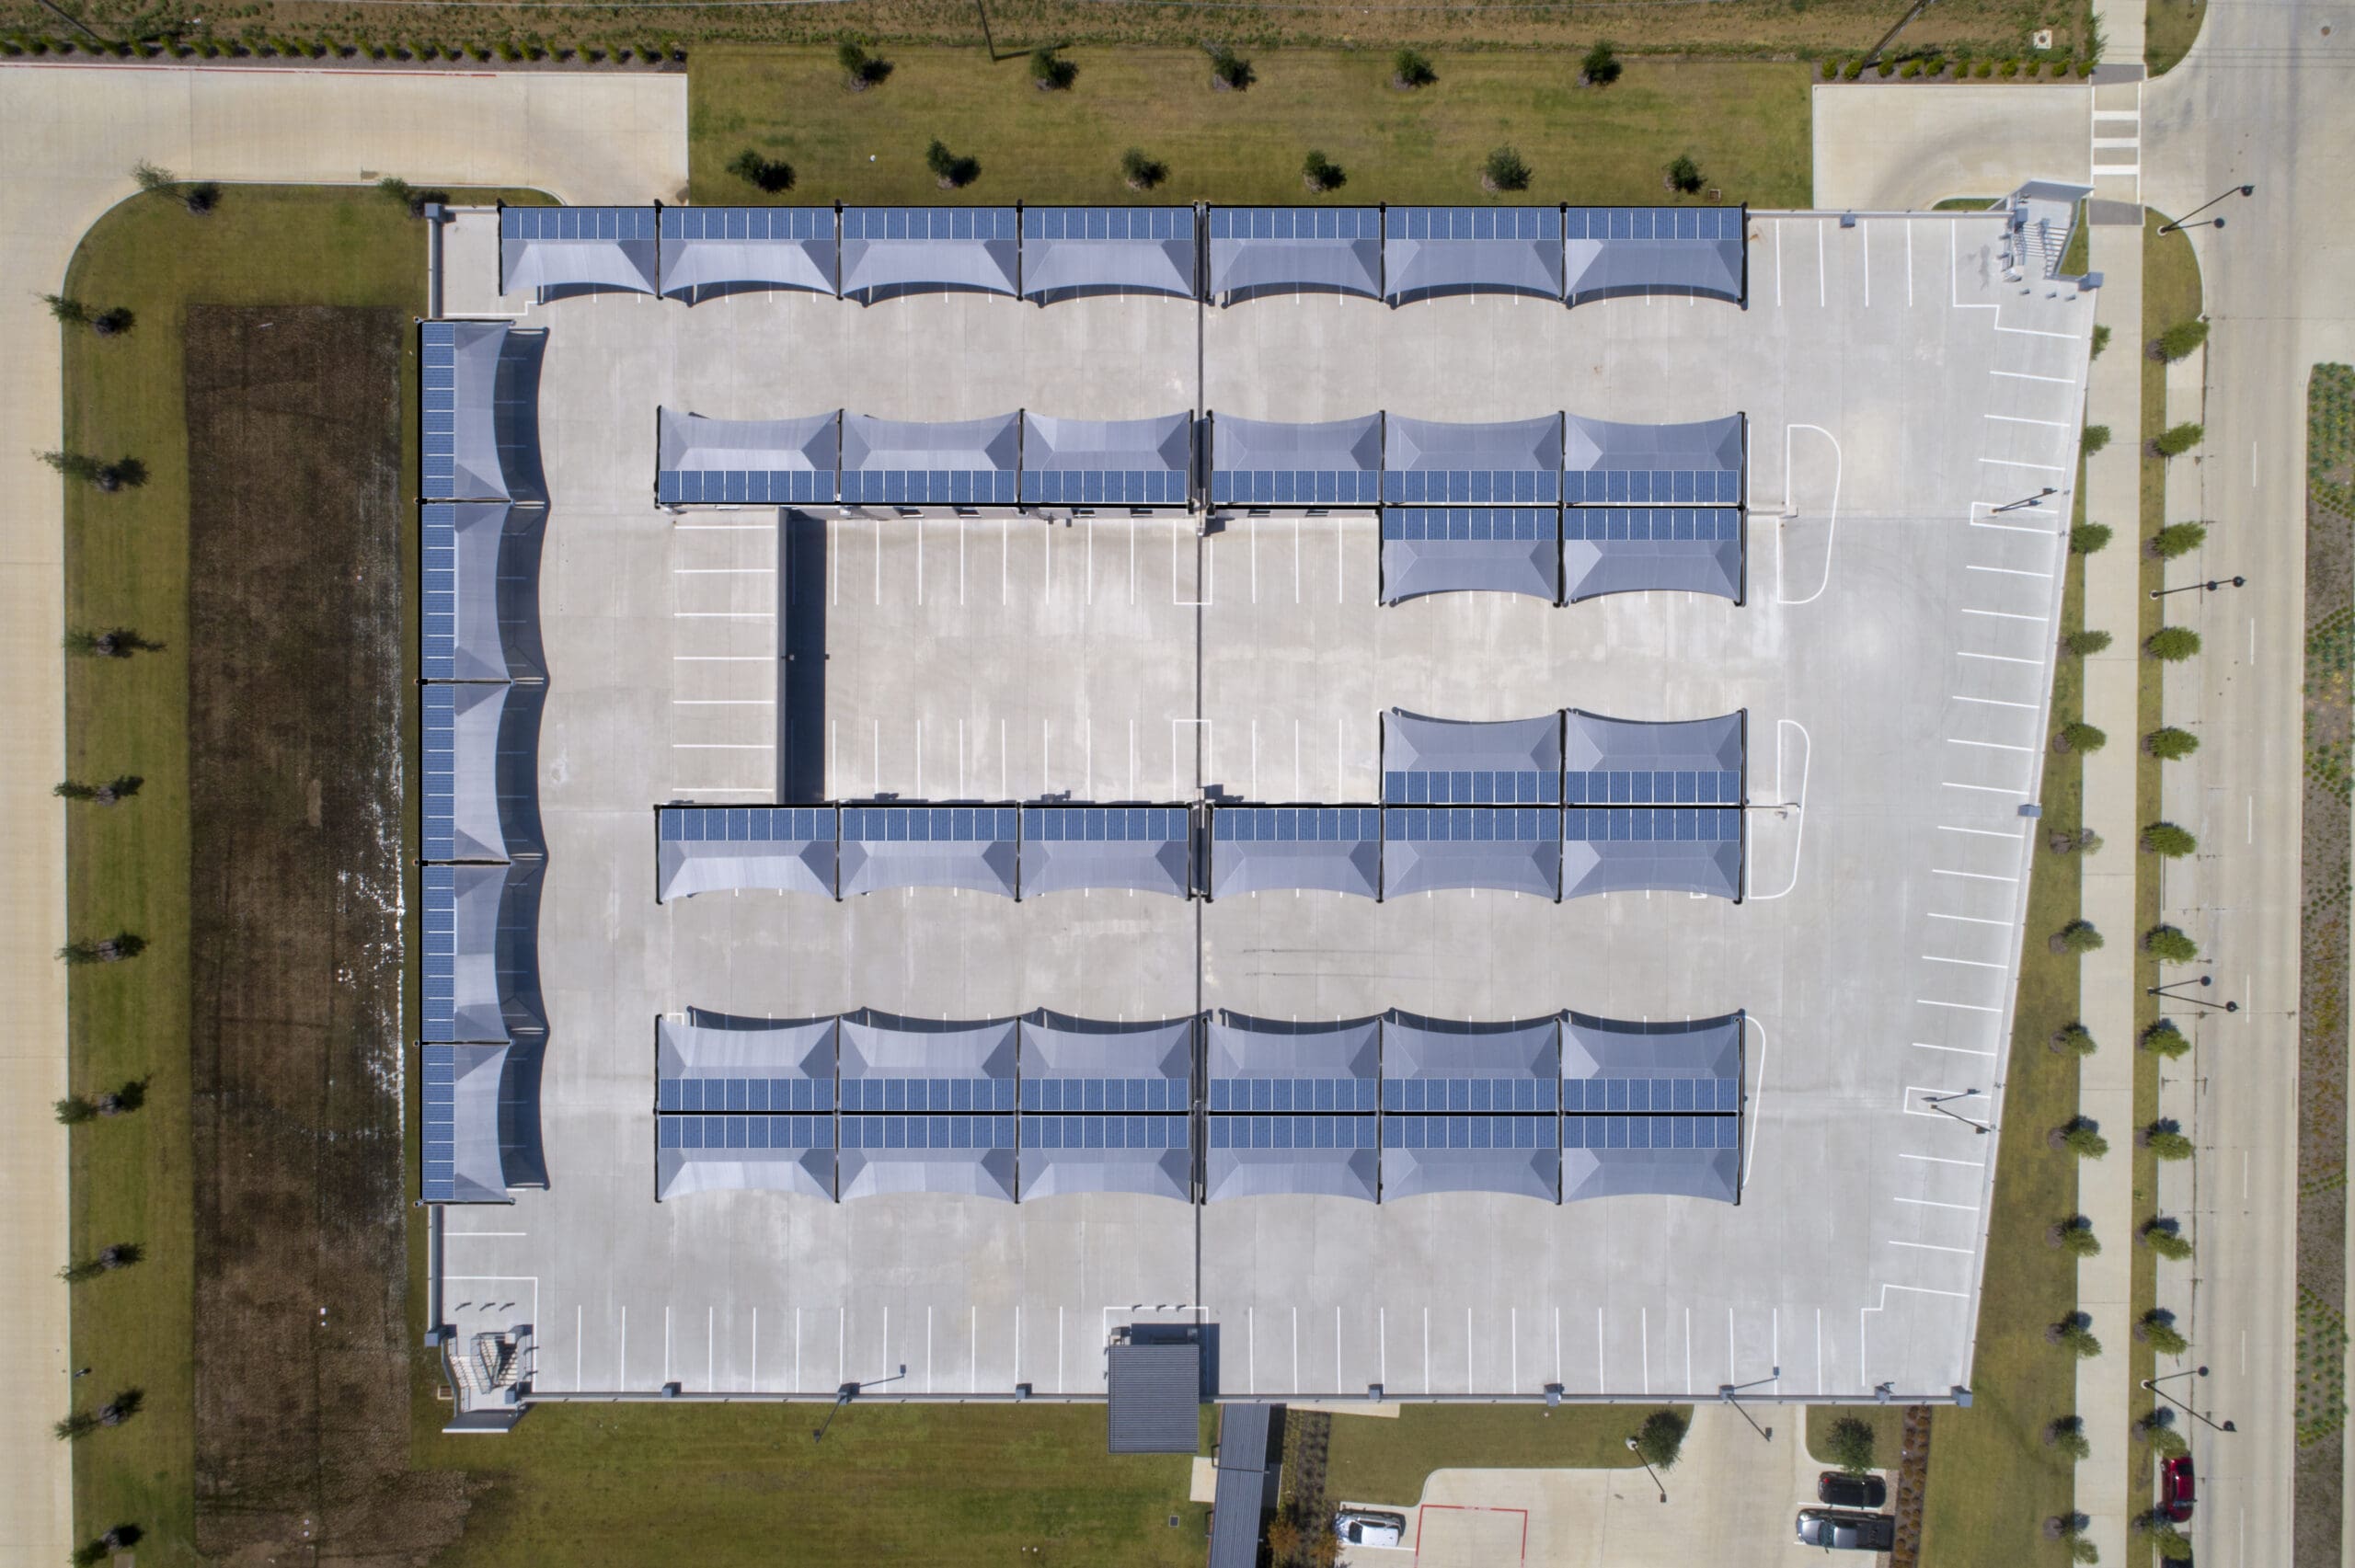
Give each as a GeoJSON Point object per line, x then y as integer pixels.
{"type": "Point", "coordinates": [294, 661]}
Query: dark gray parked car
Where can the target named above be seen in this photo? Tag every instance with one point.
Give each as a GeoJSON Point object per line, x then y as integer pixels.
{"type": "Point", "coordinates": [1837, 1529]}
{"type": "Point", "coordinates": [1842, 1489]}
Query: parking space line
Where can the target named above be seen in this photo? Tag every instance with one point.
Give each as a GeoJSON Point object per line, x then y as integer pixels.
{"type": "Point", "coordinates": [1942, 1159]}
{"type": "Point", "coordinates": [2022, 419]}
{"type": "Point", "coordinates": [2024, 376]}
{"type": "Point", "coordinates": [1973, 876]}
{"type": "Point", "coordinates": [723, 701]}
{"type": "Point", "coordinates": [1957, 1006]}
{"type": "Point", "coordinates": [2015, 463]}
{"type": "Point", "coordinates": [1967, 963]}
{"type": "Point", "coordinates": [1983, 789]}
{"type": "Point", "coordinates": [1957, 1050]}
{"type": "Point", "coordinates": [1995, 658]}
{"type": "Point", "coordinates": [1982, 832]}
{"type": "Point", "coordinates": [2004, 615]}
{"type": "Point", "coordinates": [1987, 744]}
{"type": "Point", "coordinates": [1929, 1247]}
{"type": "Point", "coordinates": [2010, 571]}
{"type": "Point", "coordinates": [722, 571]}
{"type": "Point", "coordinates": [1968, 919]}
{"type": "Point", "coordinates": [1998, 701]}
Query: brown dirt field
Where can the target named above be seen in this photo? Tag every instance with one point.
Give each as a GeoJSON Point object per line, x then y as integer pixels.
{"type": "Point", "coordinates": [295, 643]}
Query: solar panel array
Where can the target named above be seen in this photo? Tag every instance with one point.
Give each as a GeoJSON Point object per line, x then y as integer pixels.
{"type": "Point", "coordinates": [1665, 787]}
{"type": "Point", "coordinates": [439, 743]}
{"type": "Point", "coordinates": [1479, 1095]}
{"type": "Point", "coordinates": [1470, 524]}
{"type": "Point", "coordinates": [1105, 486]}
{"type": "Point", "coordinates": [1652, 525]}
{"type": "Point", "coordinates": [932, 1095]}
{"type": "Point", "coordinates": [758, 1095]}
{"type": "Point", "coordinates": [1651, 824]}
{"type": "Point", "coordinates": [710, 1132]}
{"type": "Point", "coordinates": [1471, 787]}
{"type": "Point", "coordinates": [1058, 1095]}
{"type": "Point", "coordinates": [1106, 1132]}
{"type": "Point", "coordinates": [1107, 824]}
{"type": "Point", "coordinates": [932, 487]}
{"type": "Point", "coordinates": [1471, 824]}
{"type": "Point", "coordinates": [1653, 488]}
{"type": "Point", "coordinates": [1473, 224]}
{"type": "Point", "coordinates": [438, 404]}
{"type": "Point", "coordinates": [749, 224]}
{"type": "Point", "coordinates": [438, 1130]}
{"type": "Point", "coordinates": [931, 224]}
{"type": "Point", "coordinates": [439, 930]}
{"type": "Point", "coordinates": [1651, 1132]}
{"type": "Point", "coordinates": [576, 223]}
{"type": "Point", "coordinates": [871, 1132]}
{"type": "Point", "coordinates": [1469, 1132]}
{"type": "Point", "coordinates": [1294, 1132]}
{"type": "Point", "coordinates": [745, 486]}
{"type": "Point", "coordinates": [1296, 222]}
{"type": "Point", "coordinates": [1108, 222]}
{"type": "Point", "coordinates": [1295, 824]}
{"type": "Point", "coordinates": [1710, 223]}
{"type": "Point", "coordinates": [931, 824]}
{"type": "Point", "coordinates": [745, 824]}
{"type": "Point", "coordinates": [1647, 1095]}
{"type": "Point", "coordinates": [1286, 1096]}
{"type": "Point", "coordinates": [1478, 486]}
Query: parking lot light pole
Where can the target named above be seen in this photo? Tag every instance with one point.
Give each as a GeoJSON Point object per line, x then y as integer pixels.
{"type": "Point", "coordinates": [1636, 1449]}
{"type": "Point", "coordinates": [2034, 500]}
{"type": "Point", "coordinates": [848, 1392]}
{"type": "Point", "coordinates": [1726, 1393]}
{"type": "Point", "coordinates": [2210, 586]}
{"type": "Point", "coordinates": [2219, 223]}
{"type": "Point", "coordinates": [2152, 1385]}
{"type": "Point", "coordinates": [1938, 1104]}
{"type": "Point", "coordinates": [2166, 992]}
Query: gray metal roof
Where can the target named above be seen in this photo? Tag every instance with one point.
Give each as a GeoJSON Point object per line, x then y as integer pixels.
{"type": "Point", "coordinates": [1414, 1047]}
{"type": "Point", "coordinates": [1149, 1155]}
{"type": "Point", "coordinates": [1474, 463]}
{"type": "Point", "coordinates": [1614, 251]}
{"type": "Point", "coordinates": [1470, 549]}
{"type": "Point", "coordinates": [890, 251]}
{"type": "Point", "coordinates": [1329, 849]}
{"type": "Point", "coordinates": [1652, 549]}
{"type": "Point", "coordinates": [712, 849]}
{"type": "Point", "coordinates": [575, 248]}
{"type": "Point", "coordinates": [1615, 1048]}
{"type": "Point", "coordinates": [885, 1045]}
{"type": "Point", "coordinates": [1154, 1398]}
{"type": "Point", "coordinates": [1298, 1170]}
{"type": "Point", "coordinates": [719, 250]}
{"type": "Point", "coordinates": [1056, 1045]}
{"type": "Point", "coordinates": [721, 1046]}
{"type": "Point", "coordinates": [1651, 751]}
{"type": "Point", "coordinates": [1428, 761]}
{"type": "Point", "coordinates": [753, 461]}
{"type": "Point", "coordinates": [1412, 1167]}
{"type": "Point", "coordinates": [1265, 250]}
{"type": "Point", "coordinates": [1149, 849]}
{"type": "Point", "coordinates": [1068, 252]}
{"type": "Point", "coordinates": [1242, 1496]}
{"type": "Point", "coordinates": [1428, 251]}
{"type": "Point", "coordinates": [481, 590]}
{"type": "Point", "coordinates": [1108, 462]}
{"type": "Point", "coordinates": [1612, 464]}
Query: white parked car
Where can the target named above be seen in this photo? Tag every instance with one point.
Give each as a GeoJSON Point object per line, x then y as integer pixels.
{"type": "Point", "coordinates": [1358, 1527]}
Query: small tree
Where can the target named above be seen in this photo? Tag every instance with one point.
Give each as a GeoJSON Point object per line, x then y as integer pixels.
{"type": "Point", "coordinates": [2073, 1040]}
{"type": "Point", "coordinates": [77, 1426]}
{"type": "Point", "coordinates": [109, 950]}
{"type": "Point", "coordinates": [2166, 838]}
{"type": "Point", "coordinates": [1601, 68]}
{"type": "Point", "coordinates": [1683, 174]}
{"type": "Point", "coordinates": [2165, 1039]}
{"type": "Point", "coordinates": [2168, 1444]}
{"type": "Point", "coordinates": [2074, 840]}
{"type": "Point", "coordinates": [2101, 342]}
{"type": "Point", "coordinates": [2075, 1237]}
{"type": "Point", "coordinates": [2079, 736]}
{"type": "Point", "coordinates": [130, 1097]}
{"type": "Point", "coordinates": [2074, 1334]}
{"type": "Point", "coordinates": [2067, 1433]}
{"type": "Point", "coordinates": [117, 642]}
{"type": "Point", "coordinates": [1230, 72]}
{"type": "Point", "coordinates": [1661, 1439]}
{"type": "Point", "coordinates": [68, 311]}
{"type": "Point", "coordinates": [2175, 440]}
{"type": "Point", "coordinates": [2081, 1137]}
{"type": "Point", "coordinates": [2079, 936]}
{"type": "Point", "coordinates": [2095, 438]}
{"type": "Point", "coordinates": [860, 69]}
{"type": "Point", "coordinates": [1409, 69]}
{"type": "Point", "coordinates": [1049, 72]}
{"type": "Point", "coordinates": [2085, 643]}
{"type": "Point", "coordinates": [1849, 1444]}
{"type": "Point", "coordinates": [121, 1408]}
{"type": "Point", "coordinates": [113, 322]}
{"type": "Point", "coordinates": [201, 198]}
{"type": "Point", "coordinates": [954, 171]}
{"type": "Point", "coordinates": [1139, 172]}
{"type": "Point", "coordinates": [97, 1550]}
{"type": "Point", "coordinates": [1320, 173]}
{"type": "Point", "coordinates": [761, 172]}
{"type": "Point", "coordinates": [2172, 644]}
{"type": "Point", "coordinates": [2088, 537]}
{"type": "Point", "coordinates": [1505, 170]}
{"type": "Point", "coordinates": [2162, 1237]}
{"type": "Point", "coordinates": [2164, 1139]}
{"type": "Point", "coordinates": [150, 177]}
{"type": "Point", "coordinates": [2180, 341]}
{"type": "Point", "coordinates": [397, 192]}
{"type": "Point", "coordinates": [2169, 945]}
{"type": "Point", "coordinates": [2169, 744]}
{"type": "Point", "coordinates": [2157, 1330]}
{"type": "Point", "coordinates": [74, 1109]}
{"type": "Point", "coordinates": [1283, 1537]}
{"type": "Point", "coordinates": [2178, 539]}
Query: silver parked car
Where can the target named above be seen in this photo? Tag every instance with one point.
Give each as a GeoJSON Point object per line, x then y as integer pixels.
{"type": "Point", "coordinates": [1837, 1529]}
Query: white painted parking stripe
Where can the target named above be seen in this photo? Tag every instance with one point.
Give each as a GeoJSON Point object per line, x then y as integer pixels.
{"type": "Point", "coordinates": [1998, 701]}
{"type": "Point", "coordinates": [2005, 615]}
{"type": "Point", "coordinates": [722, 571]}
{"type": "Point", "coordinates": [1986, 745]}
{"type": "Point", "coordinates": [1929, 1247]}
{"type": "Point", "coordinates": [2023, 375]}
{"type": "Point", "coordinates": [724, 614]}
{"type": "Point", "coordinates": [721, 658]}
{"type": "Point", "coordinates": [2020, 419]}
{"type": "Point", "coordinates": [1966, 920]}
{"type": "Point", "coordinates": [1967, 963]}
{"type": "Point", "coordinates": [2011, 571]}
{"type": "Point", "coordinates": [718, 745]}
{"type": "Point", "coordinates": [1973, 876]}
{"type": "Point", "coordinates": [1957, 1050]}
{"type": "Point", "coordinates": [1981, 789]}
{"type": "Point", "coordinates": [1982, 832]}
{"type": "Point", "coordinates": [723, 701]}
{"type": "Point", "coordinates": [1995, 658]}
{"type": "Point", "coordinates": [1957, 1006]}
{"type": "Point", "coordinates": [2032, 332]}
{"type": "Point", "coordinates": [1927, 1203]}
{"type": "Point", "coordinates": [1940, 1160]}
{"type": "Point", "coordinates": [2015, 463]}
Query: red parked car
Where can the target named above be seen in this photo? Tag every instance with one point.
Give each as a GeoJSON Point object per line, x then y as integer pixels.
{"type": "Point", "coordinates": [2175, 1490]}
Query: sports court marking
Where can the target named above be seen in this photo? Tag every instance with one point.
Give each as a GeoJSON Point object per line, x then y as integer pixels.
{"type": "Point", "coordinates": [1467, 1536]}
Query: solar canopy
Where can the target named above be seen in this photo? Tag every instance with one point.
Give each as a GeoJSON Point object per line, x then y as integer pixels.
{"type": "Point", "coordinates": [1671, 1156]}
{"type": "Point", "coordinates": [1097, 1153]}
{"type": "Point", "coordinates": [1137, 463]}
{"type": "Point", "coordinates": [1327, 849]}
{"type": "Point", "coordinates": [1519, 1156]}
{"type": "Point", "coordinates": [1503, 463]}
{"type": "Point", "coordinates": [719, 251]}
{"type": "Point", "coordinates": [709, 849]}
{"type": "Point", "coordinates": [466, 1104]}
{"type": "Point", "coordinates": [577, 249]}
{"type": "Point", "coordinates": [736, 1153]}
{"type": "Point", "coordinates": [1617, 761]}
{"type": "Point", "coordinates": [1147, 848]}
{"type": "Point", "coordinates": [481, 565]}
{"type": "Point", "coordinates": [1511, 848]}
{"type": "Point", "coordinates": [1684, 1066]}
{"type": "Point", "coordinates": [1449, 1065]}
{"type": "Point", "coordinates": [1264, 1064]}
{"type": "Point", "coordinates": [1068, 252]}
{"type": "Point", "coordinates": [1652, 549]}
{"type": "Point", "coordinates": [928, 846]}
{"type": "Point", "coordinates": [926, 1065]}
{"type": "Point", "coordinates": [1671, 849]}
{"type": "Point", "coordinates": [480, 398]}
{"type": "Point", "coordinates": [481, 760]}
{"type": "Point", "coordinates": [1296, 1155]}
{"type": "Point", "coordinates": [1337, 463]}
{"type": "Point", "coordinates": [1470, 549]}
{"type": "Point", "coordinates": [755, 461]}
{"type": "Point", "coordinates": [481, 934]}
{"type": "Point", "coordinates": [913, 462]}
{"type": "Point", "coordinates": [1612, 251]}
{"type": "Point", "coordinates": [1264, 250]}
{"type": "Point", "coordinates": [1620, 465]}
{"type": "Point", "coordinates": [890, 251]}
{"type": "Point", "coordinates": [1437, 761]}
{"type": "Point", "coordinates": [1427, 251]}
{"type": "Point", "coordinates": [712, 1061]}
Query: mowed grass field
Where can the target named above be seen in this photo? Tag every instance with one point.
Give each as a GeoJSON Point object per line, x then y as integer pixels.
{"type": "Point", "coordinates": [1382, 1460]}
{"type": "Point", "coordinates": [1746, 125]}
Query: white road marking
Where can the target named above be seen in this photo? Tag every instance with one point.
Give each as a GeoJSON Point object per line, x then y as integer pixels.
{"type": "Point", "coordinates": [1957, 1006]}
{"type": "Point", "coordinates": [2004, 615]}
{"type": "Point", "coordinates": [1968, 919]}
{"type": "Point", "coordinates": [2021, 419]}
{"type": "Point", "coordinates": [1929, 1247]}
{"type": "Point", "coordinates": [1987, 744]}
{"type": "Point", "coordinates": [2011, 571]}
{"type": "Point", "coordinates": [1967, 963]}
{"type": "Point", "coordinates": [1941, 1159]}
{"type": "Point", "coordinates": [1996, 658]}
{"type": "Point", "coordinates": [2023, 375]}
{"type": "Point", "coordinates": [1957, 1050]}
{"type": "Point", "coordinates": [1973, 876]}
{"type": "Point", "coordinates": [1983, 833]}
{"type": "Point", "coordinates": [2015, 463]}
{"type": "Point", "coordinates": [1983, 789]}
{"type": "Point", "coordinates": [1998, 701]}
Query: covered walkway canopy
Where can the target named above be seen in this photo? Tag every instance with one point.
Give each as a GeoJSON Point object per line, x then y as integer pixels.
{"type": "Point", "coordinates": [1270, 1156]}
{"type": "Point", "coordinates": [577, 250]}
{"type": "Point", "coordinates": [1274, 250]}
{"type": "Point", "coordinates": [1653, 465]}
{"type": "Point", "coordinates": [1658, 849]}
{"type": "Point", "coordinates": [1483, 462]}
{"type": "Point", "coordinates": [891, 251]}
{"type": "Point", "coordinates": [739, 1153]}
{"type": "Point", "coordinates": [1108, 463]}
{"type": "Point", "coordinates": [1665, 1156]}
{"type": "Point", "coordinates": [481, 591]}
{"type": "Point", "coordinates": [1430, 251]}
{"type": "Point", "coordinates": [1617, 761]}
{"type": "Point", "coordinates": [1519, 1156]}
{"type": "Point", "coordinates": [747, 462]}
{"type": "Point", "coordinates": [1071, 252]}
{"type": "Point", "coordinates": [1335, 462]}
{"type": "Point", "coordinates": [927, 1105]}
{"type": "Point", "coordinates": [709, 251]}
{"type": "Point", "coordinates": [918, 462]}
{"type": "Point", "coordinates": [1614, 251]}
{"type": "Point", "coordinates": [713, 1061]}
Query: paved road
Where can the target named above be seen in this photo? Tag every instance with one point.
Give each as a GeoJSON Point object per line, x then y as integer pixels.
{"type": "Point", "coordinates": [68, 138]}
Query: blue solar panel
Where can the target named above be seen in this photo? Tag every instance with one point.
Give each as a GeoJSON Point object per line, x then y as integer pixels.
{"type": "Point", "coordinates": [772, 224]}
{"type": "Point", "coordinates": [934, 1095]}
{"type": "Point", "coordinates": [577, 223]}
{"type": "Point", "coordinates": [1651, 1132]}
{"type": "Point", "coordinates": [1292, 1132]}
{"type": "Point", "coordinates": [1106, 1132]}
{"type": "Point", "coordinates": [1281, 1096]}
{"type": "Point", "coordinates": [1296, 824]}
{"type": "Point", "coordinates": [1474, 223]}
{"type": "Point", "coordinates": [1108, 222]}
{"type": "Point", "coordinates": [1296, 486]}
{"type": "Point", "coordinates": [1652, 824]}
{"type": "Point", "coordinates": [1419, 524]}
{"type": "Point", "coordinates": [1664, 786]}
{"type": "Point", "coordinates": [1653, 487]}
{"type": "Point", "coordinates": [439, 1131]}
{"type": "Point", "coordinates": [1474, 1095]}
{"type": "Point", "coordinates": [440, 828]}
{"type": "Point", "coordinates": [1296, 222]}
{"type": "Point", "coordinates": [930, 824]}
{"type": "Point", "coordinates": [1104, 486]}
{"type": "Point", "coordinates": [760, 1095]}
{"type": "Point", "coordinates": [1065, 1094]}
{"type": "Point", "coordinates": [1653, 223]}
{"type": "Point", "coordinates": [927, 1132]}
{"type": "Point", "coordinates": [1651, 1094]}
{"type": "Point", "coordinates": [1471, 786]}
{"type": "Point", "coordinates": [1105, 824]}
{"type": "Point", "coordinates": [439, 437]}
{"type": "Point", "coordinates": [438, 560]}
{"type": "Point", "coordinates": [745, 824]}
{"type": "Point", "coordinates": [930, 222]}
{"type": "Point", "coordinates": [1471, 824]}
{"type": "Point", "coordinates": [1502, 486]}
{"type": "Point", "coordinates": [1652, 525]}
{"type": "Point", "coordinates": [934, 486]}
{"type": "Point", "coordinates": [734, 486]}
{"type": "Point", "coordinates": [1468, 1132]}
{"type": "Point", "coordinates": [438, 925]}
{"type": "Point", "coordinates": [718, 1133]}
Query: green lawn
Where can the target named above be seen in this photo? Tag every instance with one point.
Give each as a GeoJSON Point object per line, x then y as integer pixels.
{"type": "Point", "coordinates": [1888, 1422]}
{"type": "Point", "coordinates": [1992, 1479]}
{"type": "Point", "coordinates": [1377, 1459]}
{"type": "Point", "coordinates": [1745, 125]}
{"type": "Point", "coordinates": [2169, 30]}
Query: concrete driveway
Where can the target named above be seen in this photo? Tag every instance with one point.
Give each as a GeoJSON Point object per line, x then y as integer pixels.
{"type": "Point", "coordinates": [69, 135]}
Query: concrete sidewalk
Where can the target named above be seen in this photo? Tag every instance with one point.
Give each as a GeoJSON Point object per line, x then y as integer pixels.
{"type": "Point", "coordinates": [2105, 979]}
{"type": "Point", "coordinates": [69, 135]}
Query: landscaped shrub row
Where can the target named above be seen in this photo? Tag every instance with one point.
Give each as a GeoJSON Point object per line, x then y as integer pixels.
{"type": "Point", "coordinates": [510, 50]}
{"type": "Point", "coordinates": [1939, 68]}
